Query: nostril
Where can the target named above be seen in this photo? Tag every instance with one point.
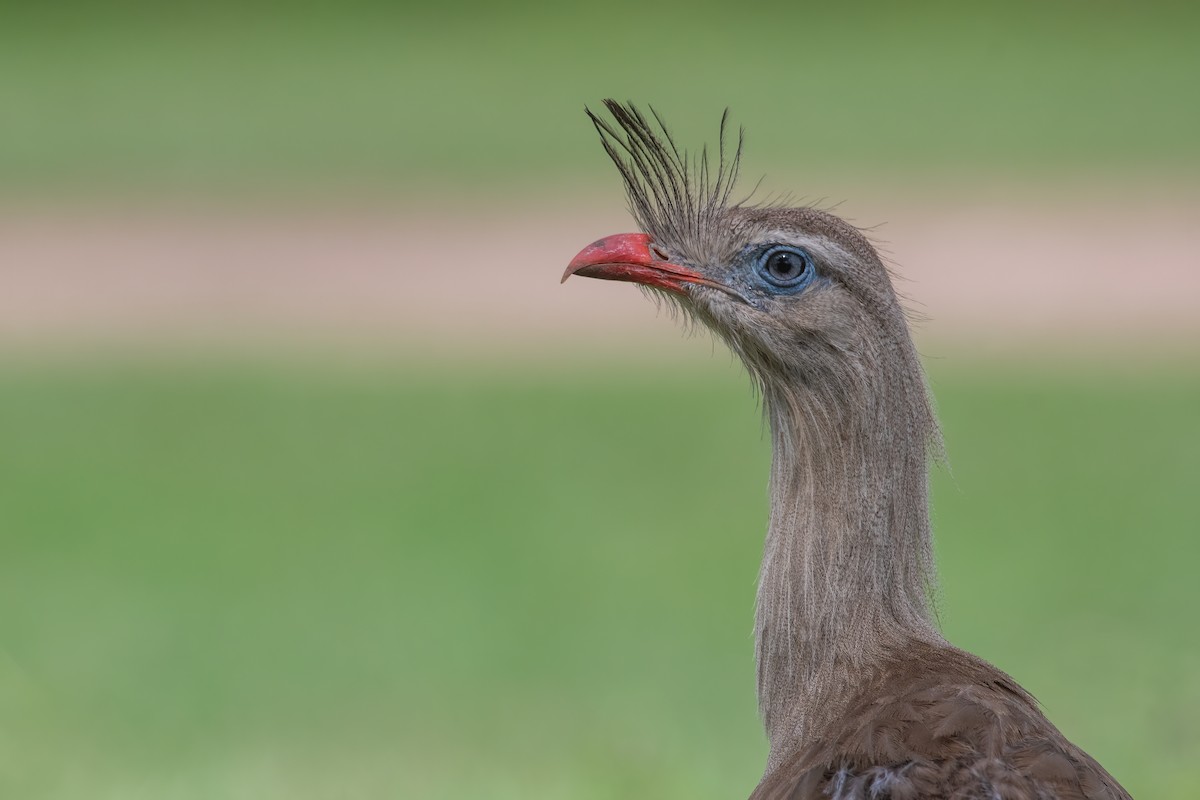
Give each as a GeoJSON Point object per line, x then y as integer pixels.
{"type": "Point", "coordinates": [658, 252]}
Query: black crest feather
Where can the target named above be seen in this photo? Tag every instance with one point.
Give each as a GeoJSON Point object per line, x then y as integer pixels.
{"type": "Point", "coordinates": [675, 197]}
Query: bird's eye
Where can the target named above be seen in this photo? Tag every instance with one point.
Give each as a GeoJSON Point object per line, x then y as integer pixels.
{"type": "Point", "coordinates": [786, 267]}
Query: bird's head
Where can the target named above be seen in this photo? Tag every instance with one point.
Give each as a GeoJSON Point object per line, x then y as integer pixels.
{"type": "Point", "coordinates": [797, 292]}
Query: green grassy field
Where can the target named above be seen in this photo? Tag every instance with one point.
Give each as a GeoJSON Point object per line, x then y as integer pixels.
{"type": "Point", "coordinates": [467, 95]}
{"type": "Point", "coordinates": [259, 582]}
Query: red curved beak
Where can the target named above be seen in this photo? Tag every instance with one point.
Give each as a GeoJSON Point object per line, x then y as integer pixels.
{"type": "Point", "coordinates": [630, 257]}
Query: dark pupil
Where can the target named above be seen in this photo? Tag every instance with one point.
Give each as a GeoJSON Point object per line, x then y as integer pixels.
{"type": "Point", "coordinates": [785, 265]}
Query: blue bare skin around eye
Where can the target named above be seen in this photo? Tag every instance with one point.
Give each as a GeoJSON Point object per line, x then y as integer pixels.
{"type": "Point", "coordinates": [751, 277]}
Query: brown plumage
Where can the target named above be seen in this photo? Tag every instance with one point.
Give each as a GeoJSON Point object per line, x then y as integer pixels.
{"type": "Point", "coordinates": [861, 697]}
{"type": "Point", "coordinates": [935, 722]}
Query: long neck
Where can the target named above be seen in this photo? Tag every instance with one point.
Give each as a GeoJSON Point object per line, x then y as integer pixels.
{"type": "Point", "coordinates": [848, 566]}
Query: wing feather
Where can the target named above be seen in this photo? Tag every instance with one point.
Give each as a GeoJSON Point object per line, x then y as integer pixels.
{"type": "Point", "coordinates": [943, 725]}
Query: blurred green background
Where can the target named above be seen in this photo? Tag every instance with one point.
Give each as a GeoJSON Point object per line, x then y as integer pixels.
{"type": "Point", "coordinates": [459, 94]}
{"type": "Point", "coordinates": [260, 577]}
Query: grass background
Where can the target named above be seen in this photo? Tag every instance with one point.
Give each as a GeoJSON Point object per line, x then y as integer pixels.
{"type": "Point", "coordinates": [260, 582]}
{"type": "Point", "coordinates": [470, 95]}
{"type": "Point", "coordinates": [235, 579]}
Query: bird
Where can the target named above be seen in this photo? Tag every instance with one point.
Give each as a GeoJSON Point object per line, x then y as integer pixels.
{"type": "Point", "coordinates": [860, 695]}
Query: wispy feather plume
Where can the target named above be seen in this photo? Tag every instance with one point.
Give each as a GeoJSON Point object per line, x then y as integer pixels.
{"type": "Point", "coordinates": [675, 197]}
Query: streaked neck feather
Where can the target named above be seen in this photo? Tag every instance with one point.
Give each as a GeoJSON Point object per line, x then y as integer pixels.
{"type": "Point", "coordinates": [848, 568]}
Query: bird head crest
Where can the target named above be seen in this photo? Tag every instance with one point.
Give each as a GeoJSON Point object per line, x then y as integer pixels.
{"type": "Point", "coordinates": [676, 197]}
